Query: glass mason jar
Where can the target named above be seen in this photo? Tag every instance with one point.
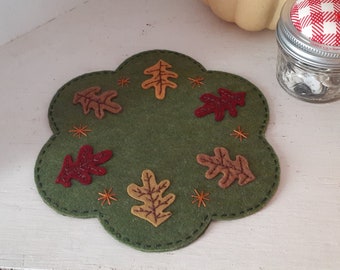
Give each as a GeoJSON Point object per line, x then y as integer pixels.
{"type": "Point", "coordinates": [306, 69]}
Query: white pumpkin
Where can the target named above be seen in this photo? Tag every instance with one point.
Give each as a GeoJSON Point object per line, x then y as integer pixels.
{"type": "Point", "coordinates": [251, 15]}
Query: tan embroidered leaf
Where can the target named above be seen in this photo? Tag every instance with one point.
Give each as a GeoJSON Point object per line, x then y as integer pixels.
{"type": "Point", "coordinates": [151, 194]}
{"type": "Point", "coordinates": [159, 79]}
{"type": "Point", "coordinates": [231, 170]}
{"type": "Point", "coordinates": [90, 99]}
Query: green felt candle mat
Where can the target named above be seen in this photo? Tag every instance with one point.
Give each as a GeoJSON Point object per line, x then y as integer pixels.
{"type": "Point", "coordinates": [162, 138]}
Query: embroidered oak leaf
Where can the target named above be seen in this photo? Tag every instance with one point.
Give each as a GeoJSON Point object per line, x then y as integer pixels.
{"type": "Point", "coordinates": [231, 169]}
{"type": "Point", "coordinates": [151, 194]}
{"type": "Point", "coordinates": [90, 99]}
{"type": "Point", "coordinates": [227, 101]}
{"type": "Point", "coordinates": [85, 165]}
{"type": "Point", "coordinates": [160, 78]}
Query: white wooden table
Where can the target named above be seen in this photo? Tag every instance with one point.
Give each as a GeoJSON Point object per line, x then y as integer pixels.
{"type": "Point", "coordinates": [298, 229]}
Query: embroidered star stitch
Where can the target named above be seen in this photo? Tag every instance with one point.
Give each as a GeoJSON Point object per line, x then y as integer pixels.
{"type": "Point", "coordinates": [239, 134]}
{"type": "Point", "coordinates": [79, 131]}
{"type": "Point", "coordinates": [123, 81]}
{"type": "Point", "coordinates": [200, 198]}
{"type": "Point", "coordinates": [107, 196]}
{"type": "Point", "coordinates": [197, 81]}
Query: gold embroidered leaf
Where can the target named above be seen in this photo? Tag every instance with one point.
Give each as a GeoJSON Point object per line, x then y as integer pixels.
{"type": "Point", "coordinates": [231, 170]}
{"type": "Point", "coordinates": [90, 99]}
{"type": "Point", "coordinates": [151, 194]}
{"type": "Point", "coordinates": [160, 78]}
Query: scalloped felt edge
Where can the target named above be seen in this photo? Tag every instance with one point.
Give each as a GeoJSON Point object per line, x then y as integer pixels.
{"type": "Point", "coordinates": [196, 232]}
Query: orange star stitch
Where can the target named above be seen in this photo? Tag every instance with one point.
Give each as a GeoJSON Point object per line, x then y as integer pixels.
{"type": "Point", "coordinates": [200, 198]}
{"type": "Point", "coordinates": [79, 131]}
{"type": "Point", "coordinates": [198, 81]}
{"type": "Point", "coordinates": [239, 134]}
{"type": "Point", "coordinates": [107, 196]}
{"type": "Point", "coordinates": [123, 81]}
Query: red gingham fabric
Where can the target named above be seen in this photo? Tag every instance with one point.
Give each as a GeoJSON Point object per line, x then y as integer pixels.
{"type": "Point", "coordinates": [319, 20]}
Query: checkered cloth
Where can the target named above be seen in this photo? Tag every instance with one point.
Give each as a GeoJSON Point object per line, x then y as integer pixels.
{"type": "Point", "coordinates": [319, 20]}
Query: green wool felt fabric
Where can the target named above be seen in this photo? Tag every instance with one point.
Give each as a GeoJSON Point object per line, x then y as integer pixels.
{"type": "Point", "coordinates": [160, 135]}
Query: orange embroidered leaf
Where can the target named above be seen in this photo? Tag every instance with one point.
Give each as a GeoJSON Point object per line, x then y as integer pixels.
{"type": "Point", "coordinates": [151, 194]}
{"type": "Point", "coordinates": [90, 99]}
{"type": "Point", "coordinates": [160, 78]}
{"type": "Point", "coordinates": [231, 170]}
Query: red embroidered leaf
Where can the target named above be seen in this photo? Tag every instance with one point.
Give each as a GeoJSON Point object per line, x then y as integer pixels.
{"type": "Point", "coordinates": [89, 99]}
{"type": "Point", "coordinates": [227, 101]}
{"type": "Point", "coordinates": [231, 170]}
{"type": "Point", "coordinates": [85, 166]}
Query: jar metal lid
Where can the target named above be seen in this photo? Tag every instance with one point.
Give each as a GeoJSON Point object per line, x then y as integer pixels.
{"type": "Point", "coordinates": [301, 47]}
